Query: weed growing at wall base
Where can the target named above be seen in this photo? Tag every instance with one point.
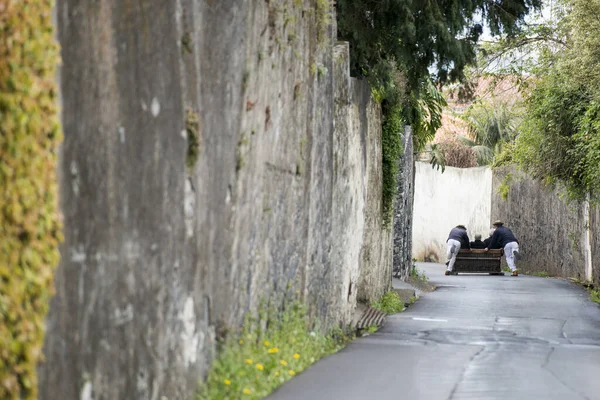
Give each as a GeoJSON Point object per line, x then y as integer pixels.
{"type": "Point", "coordinates": [595, 295]}
{"type": "Point", "coordinates": [390, 303]}
{"type": "Point", "coordinates": [541, 274]}
{"type": "Point", "coordinates": [261, 356]}
{"type": "Point", "coordinates": [418, 275]}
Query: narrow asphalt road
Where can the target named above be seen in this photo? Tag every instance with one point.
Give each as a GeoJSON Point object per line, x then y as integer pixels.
{"type": "Point", "coordinates": [475, 337]}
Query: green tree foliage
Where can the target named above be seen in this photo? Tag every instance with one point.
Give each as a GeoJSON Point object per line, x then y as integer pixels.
{"type": "Point", "coordinates": [418, 35]}
{"type": "Point", "coordinates": [29, 218]}
{"type": "Point", "coordinates": [423, 111]}
{"type": "Point", "coordinates": [560, 140]}
{"type": "Point", "coordinates": [545, 146]}
{"type": "Point", "coordinates": [581, 57]}
{"type": "Point", "coordinates": [524, 54]}
{"type": "Point", "coordinates": [389, 38]}
{"type": "Point", "coordinates": [491, 127]}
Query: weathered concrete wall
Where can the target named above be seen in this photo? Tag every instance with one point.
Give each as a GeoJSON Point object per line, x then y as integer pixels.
{"type": "Point", "coordinates": [595, 244]}
{"type": "Point", "coordinates": [376, 250]}
{"type": "Point", "coordinates": [403, 209]}
{"type": "Point", "coordinates": [357, 174]}
{"type": "Point", "coordinates": [284, 167]}
{"type": "Point", "coordinates": [444, 200]}
{"type": "Point", "coordinates": [124, 322]}
{"type": "Point", "coordinates": [550, 231]}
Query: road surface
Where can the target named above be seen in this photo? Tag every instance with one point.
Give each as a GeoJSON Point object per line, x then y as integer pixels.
{"type": "Point", "coordinates": [475, 337]}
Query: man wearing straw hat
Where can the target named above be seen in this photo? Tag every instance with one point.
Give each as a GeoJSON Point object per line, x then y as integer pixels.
{"type": "Point", "coordinates": [457, 239]}
{"type": "Point", "coordinates": [504, 238]}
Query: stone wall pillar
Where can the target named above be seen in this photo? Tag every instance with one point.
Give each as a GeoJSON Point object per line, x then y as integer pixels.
{"type": "Point", "coordinates": [403, 209]}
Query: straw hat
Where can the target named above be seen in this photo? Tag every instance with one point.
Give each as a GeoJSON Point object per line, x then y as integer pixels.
{"type": "Point", "coordinates": [498, 223]}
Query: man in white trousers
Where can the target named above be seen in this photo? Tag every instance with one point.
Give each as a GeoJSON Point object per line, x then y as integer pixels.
{"type": "Point", "coordinates": [457, 239]}
{"type": "Point", "coordinates": [504, 238]}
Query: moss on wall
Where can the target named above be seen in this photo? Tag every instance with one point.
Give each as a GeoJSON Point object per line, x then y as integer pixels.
{"type": "Point", "coordinates": [29, 216]}
{"type": "Point", "coordinates": [192, 127]}
{"type": "Point", "coordinates": [323, 19]}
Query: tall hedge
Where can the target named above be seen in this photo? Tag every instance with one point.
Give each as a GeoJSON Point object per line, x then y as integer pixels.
{"type": "Point", "coordinates": [29, 216]}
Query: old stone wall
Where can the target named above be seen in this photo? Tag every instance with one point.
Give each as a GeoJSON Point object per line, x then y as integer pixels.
{"type": "Point", "coordinates": [595, 244]}
{"type": "Point", "coordinates": [216, 154]}
{"type": "Point", "coordinates": [376, 248]}
{"type": "Point", "coordinates": [403, 209]}
{"type": "Point", "coordinates": [357, 174]}
{"type": "Point", "coordinates": [551, 232]}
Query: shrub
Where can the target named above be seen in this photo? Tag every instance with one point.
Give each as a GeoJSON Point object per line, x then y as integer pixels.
{"type": "Point", "coordinates": [454, 154]}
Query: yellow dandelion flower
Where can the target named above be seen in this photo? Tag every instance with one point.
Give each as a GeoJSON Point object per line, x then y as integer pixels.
{"type": "Point", "coordinates": [248, 361]}
{"type": "Point", "coordinates": [296, 356]}
{"type": "Point", "coordinates": [227, 382]}
{"type": "Point", "coordinates": [241, 341]}
{"type": "Point", "coordinates": [292, 373]}
{"type": "Point", "coordinates": [260, 367]}
{"type": "Point", "coordinates": [267, 343]}
{"type": "Point", "coordinates": [273, 350]}
{"type": "Point", "coordinates": [247, 391]}
{"type": "Point", "coordinates": [276, 373]}
{"type": "Point", "coordinates": [283, 362]}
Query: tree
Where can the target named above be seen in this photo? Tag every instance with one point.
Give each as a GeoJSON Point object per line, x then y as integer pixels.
{"type": "Point", "coordinates": [451, 153]}
{"type": "Point", "coordinates": [491, 126]}
{"type": "Point", "coordinates": [560, 141]}
{"type": "Point", "coordinates": [406, 38]}
{"type": "Point", "coordinates": [418, 35]}
{"type": "Point", "coordinates": [410, 37]}
{"type": "Point", "coordinates": [546, 146]}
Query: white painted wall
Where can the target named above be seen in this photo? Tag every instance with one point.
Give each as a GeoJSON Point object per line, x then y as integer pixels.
{"type": "Point", "coordinates": [444, 200]}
